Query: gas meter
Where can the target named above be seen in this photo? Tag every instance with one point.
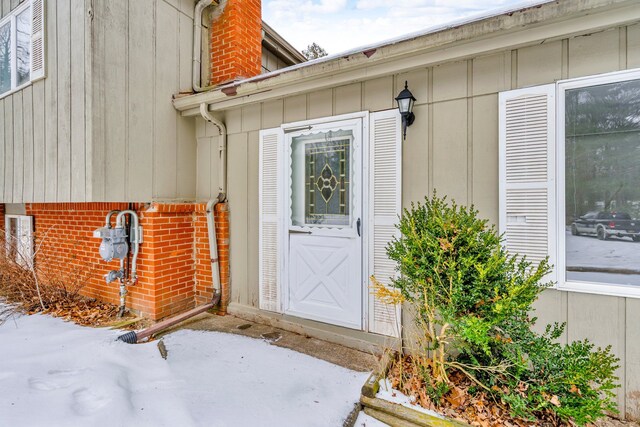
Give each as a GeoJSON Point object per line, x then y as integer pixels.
{"type": "Point", "coordinates": [114, 242]}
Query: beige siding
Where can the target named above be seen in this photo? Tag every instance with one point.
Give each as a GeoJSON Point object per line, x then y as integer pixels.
{"type": "Point", "coordinates": [238, 204]}
{"type": "Point", "coordinates": [539, 64]}
{"type": "Point", "coordinates": [101, 125]}
{"type": "Point", "coordinates": [252, 219]}
{"type": "Point", "coordinates": [632, 358]}
{"type": "Point", "coordinates": [141, 84]}
{"type": "Point", "coordinates": [633, 46]}
{"type": "Point", "coordinates": [208, 163]}
{"type": "Point", "coordinates": [143, 149]}
{"type": "Point", "coordinates": [270, 62]}
{"type": "Point", "coordinates": [484, 170]}
{"type": "Point", "coordinates": [453, 148]}
{"type": "Point", "coordinates": [595, 53]}
{"type": "Point", "coordinates": [416, 171]}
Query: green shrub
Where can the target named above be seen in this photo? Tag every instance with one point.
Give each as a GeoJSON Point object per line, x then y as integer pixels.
{"type": "Point", "coordinates": [473, 300]}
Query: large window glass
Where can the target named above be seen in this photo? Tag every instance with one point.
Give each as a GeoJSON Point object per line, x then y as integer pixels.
{"type": "Point", "coordinates": [602, 183]}
{"type": "Point", "coordinates": [15, 50]}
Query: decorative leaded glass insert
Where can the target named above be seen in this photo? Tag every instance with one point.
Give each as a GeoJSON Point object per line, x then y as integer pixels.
{"type": "Point", "coordinates": [326, 158]}
{"type": "Point", "coordinates": [327, 186]}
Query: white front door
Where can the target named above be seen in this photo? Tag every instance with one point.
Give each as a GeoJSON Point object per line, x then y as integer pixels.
{"type": "Point", "coordinates": [324, 224]}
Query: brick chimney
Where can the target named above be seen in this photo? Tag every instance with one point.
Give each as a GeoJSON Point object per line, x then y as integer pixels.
{"type": "Point", "coordinates": [236, 41]}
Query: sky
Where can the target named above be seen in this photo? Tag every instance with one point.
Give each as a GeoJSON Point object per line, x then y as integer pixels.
{"type": "Point", "coordinates": [339, 25]}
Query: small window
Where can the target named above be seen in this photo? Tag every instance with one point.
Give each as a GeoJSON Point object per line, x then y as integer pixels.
{"type": "Point", "coordinates": [21, 41]}
{"type": "Point", "coordinates": [19, 238]}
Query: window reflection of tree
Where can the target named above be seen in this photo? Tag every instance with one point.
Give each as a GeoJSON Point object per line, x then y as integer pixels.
{"type": "Point", "coordinates": [5, 57]}
{"type": "Point", "coordinates": [23, 46]}
{"type": "Point", "coordinates": [602, 130]}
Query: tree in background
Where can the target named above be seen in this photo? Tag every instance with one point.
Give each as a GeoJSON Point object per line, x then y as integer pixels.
{"type": "Point", "coordinates": [314, 51]}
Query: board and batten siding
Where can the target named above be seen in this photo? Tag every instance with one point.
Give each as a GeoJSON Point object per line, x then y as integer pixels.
{"type": "Point", "coordinates": [141, 56]}
{"type": "Point", "coordinates": [101, 125]}
{"type": "Point", "coordinates": [43, 128]}
{"type": "Point", "coordinates": [452, 147]}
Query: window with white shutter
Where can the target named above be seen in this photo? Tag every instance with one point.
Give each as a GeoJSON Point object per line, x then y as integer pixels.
{"type": "Point", "coordinates": [569, 180]}
{"type": "Point", "coordinates": [270, 229]}
{"type": "Point", "coordinates": [385, 204]}
{"type": "Point", "coordinates": [527, 172]}
{"type": "Point", "coordinates": [22, 46]}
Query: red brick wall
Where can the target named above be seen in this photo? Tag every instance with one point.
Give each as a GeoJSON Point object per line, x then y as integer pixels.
{"type": "Point", "coordinates": [173, 264]}
{"type": "Point", "coordinates": [204, 283]}
{"type": "Point", "coordinates": [236, 41]}
{"type": "Point", "coordinates": [167, 255]}
{"type": "Point", "coordinates": [63, 238]}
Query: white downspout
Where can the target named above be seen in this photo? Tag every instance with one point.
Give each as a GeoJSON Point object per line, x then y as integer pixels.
{"type": "Point", "coordinates": [222, 195]}
{"type": "Point", "coordinates": [196, 81]}
{"type": "Point", "coordinates": [222, 148]}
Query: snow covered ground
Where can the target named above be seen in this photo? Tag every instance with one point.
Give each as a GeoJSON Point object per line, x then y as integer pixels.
{"type": "Point", "coordinates": [55, 373]}
{"type": "Point", "coordinates": [365, 420]}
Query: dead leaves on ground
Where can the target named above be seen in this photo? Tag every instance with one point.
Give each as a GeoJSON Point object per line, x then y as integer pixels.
{"type": "Point", "coordinates": [477, 409]}
{"type": "Point", "coordinates": [86, 312]}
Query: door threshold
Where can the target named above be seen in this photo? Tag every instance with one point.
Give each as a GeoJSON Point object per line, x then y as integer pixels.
{"type": "Point", "coordinates": [357, 339]}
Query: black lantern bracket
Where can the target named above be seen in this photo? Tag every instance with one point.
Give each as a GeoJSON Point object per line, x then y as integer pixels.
{"type": "Point", "coordinates": [405, 100]}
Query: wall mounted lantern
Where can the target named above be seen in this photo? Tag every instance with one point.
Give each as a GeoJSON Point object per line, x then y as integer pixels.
{"type": "Point", "coordinates": [405, 100]}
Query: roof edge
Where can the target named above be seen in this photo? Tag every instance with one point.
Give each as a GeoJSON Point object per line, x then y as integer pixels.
{"type": "Point", "coordinates": [470, 32]}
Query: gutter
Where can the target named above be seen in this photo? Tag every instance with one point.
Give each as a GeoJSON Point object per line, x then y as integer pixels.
{"type": "Point", "coordinates": [511, 29]}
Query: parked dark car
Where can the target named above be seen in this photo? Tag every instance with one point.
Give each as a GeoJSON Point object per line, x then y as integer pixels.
{"type": "Point", "coordinates": [606, 224]}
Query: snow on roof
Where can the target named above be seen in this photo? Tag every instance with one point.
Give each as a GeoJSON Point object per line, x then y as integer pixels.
{"type": "Point", "coordinates": [526, 4]}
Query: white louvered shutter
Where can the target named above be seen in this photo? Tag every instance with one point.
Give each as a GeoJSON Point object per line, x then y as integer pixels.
{"type": "Point", "coordinates": [384, 208]}
{"type": "Point", "coordinates": [37, 39]}
{"type": "Point", "coordinates": [270, 246]}
{"type": "Point", "coordinates": [527, 172]}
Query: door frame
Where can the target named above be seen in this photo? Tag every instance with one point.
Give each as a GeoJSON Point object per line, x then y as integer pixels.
{"type": "Point", "coordinates": [287, 128]}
